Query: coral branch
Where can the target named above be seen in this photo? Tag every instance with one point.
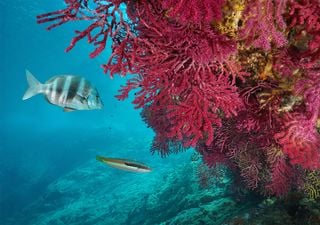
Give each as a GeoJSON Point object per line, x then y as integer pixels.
{"type": "Point", "coordinates": [264, 24]}
{"type": "Point", "coordinates": [304, 17]}
{"type": "Point", "coordinates": [281, 172]}
{"type": "Point", "coordinates": [106, 19]}
{"type": "Point", "coordinates": [309, 88]}
{"type": "Point", "coordinates": [300, 140]}
{"type": "Point", "coordinates": [194, 11]}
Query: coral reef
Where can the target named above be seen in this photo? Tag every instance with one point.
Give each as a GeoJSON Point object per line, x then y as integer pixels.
{"type": "Point", "coordinates": [236, 79]}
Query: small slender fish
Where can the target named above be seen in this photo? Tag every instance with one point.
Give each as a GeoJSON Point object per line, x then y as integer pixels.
{"type": "Point", "coordinates": [68, 91]}
{"type": "Point", "coordinates": [124, 164]}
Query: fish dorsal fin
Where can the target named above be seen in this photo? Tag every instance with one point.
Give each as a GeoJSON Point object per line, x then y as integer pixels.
{"type": "Point", "coordinates": [67, 109]}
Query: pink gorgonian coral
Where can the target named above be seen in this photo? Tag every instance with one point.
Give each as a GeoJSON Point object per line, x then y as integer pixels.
{"type": "Point", "coordinates": [300, 141]}
{"type": "Point", "coordinates": [194, 11]}
{"type": "Point", "coordinates": [263, 24]}
{"type": "Point", "coordinates": [286, 63]}
{"type": "Point", "coordinates": [304, 17]}
{"type": "Point", "coordinates": [309, 88]}
{"type": "Point", "coordinates": [106, 21]}
{"type": "Point", "coordinates": [156, 119]}
{"type": "Point", "coordinates": [185, 69]}
{"type": "Point", "coordinates": [282, 173]}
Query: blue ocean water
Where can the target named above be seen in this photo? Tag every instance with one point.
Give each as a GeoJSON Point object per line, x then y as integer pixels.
{"type": "Point", "coordinates": [48, 171]}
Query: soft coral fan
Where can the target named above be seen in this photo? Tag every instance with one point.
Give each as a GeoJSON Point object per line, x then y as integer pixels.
{"type": "Point", "coordinates": [197, 110]}
{"type": "Point", "coordinates": [186, 70]}
{"type": "Point", "coordinates": [106, 21]}
{"type": "Point", "coordinates": [299, 137]}
{"type": "Point", "coordinates": [309, 88]}
{"type": "Point", "coordinates": [300, 140]}
{"type": "Point", "coordinates": [286, 63]}
{"type": "Point", "coordinates": [159, 123]}
{"type": "Point", "coordinates": [190, 61]}
{"type": "Point", "coordinates": [194, 11]}
{"type": "Point", "coordinates": [263, 24]}
{"type": "Point", "coordinates": [304, 19]}
{"type": "Point", "coordinates": [246, 144]}
{"type": "Point", "coordinates": [281, 172]}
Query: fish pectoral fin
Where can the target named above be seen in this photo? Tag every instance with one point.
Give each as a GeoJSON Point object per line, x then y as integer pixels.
{"type": "Point", "coordinates": [67, 109]}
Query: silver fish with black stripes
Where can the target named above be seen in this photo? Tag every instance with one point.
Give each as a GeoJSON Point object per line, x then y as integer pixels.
{"type": "Point", "coordinates": [68, 91]}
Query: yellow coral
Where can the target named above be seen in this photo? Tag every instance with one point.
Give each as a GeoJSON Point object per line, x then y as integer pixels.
{"type": "Point", "coordinates": [318, 125]}
{"type": "Point", "coordinates": [232, 16]}
{"type": "Point", "coordinates": [267, 71]}
{"type": "Point", "coordinates": [312, 185]}
{"type": "Point", "coordinates": [273, 154]}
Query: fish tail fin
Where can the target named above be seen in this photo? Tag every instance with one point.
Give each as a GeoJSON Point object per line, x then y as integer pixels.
{"type": "Point", "coordinates": [35, 87]}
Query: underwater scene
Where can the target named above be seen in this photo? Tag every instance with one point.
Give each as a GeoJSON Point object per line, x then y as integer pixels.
{"type": "Point", "coordinates": [141, 112]}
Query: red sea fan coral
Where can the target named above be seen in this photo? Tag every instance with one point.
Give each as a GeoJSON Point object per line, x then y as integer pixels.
{"type": "Point", "coordinates": [198, 111]}
{"type": "Point", "coordinates": [214, 157]}
{"type": "Point", "coordinates": [282, 173]}
{"type": "Point", "coordinates": [264, 24]}
{"type": "Point", "coordinates": [309, 88]}
{"type": "Point", "coordinates": [304, 17]}
{"type": "Point", "coordinates": [194, 11]}
{"type": "Point", "coordinates": [300, 141]}
{"type": "Point", "coordinates": [286, 63]}
{"type": "Point", "coordinates": [156, 119]}
{"type": "Point", "coordinates": [106, 20]}
{"type": "Point", "coordinates": [186, 70]}
{"type": "Point", "coordinates": [250, 166]}
{"type": "Point", "coordinates": [165, 45]}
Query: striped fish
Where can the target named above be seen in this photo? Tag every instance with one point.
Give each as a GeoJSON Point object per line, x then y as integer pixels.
{"type": "Point", "coordinates": [70, 92]}
{"type": "Point", "coordinates": [124, 164]}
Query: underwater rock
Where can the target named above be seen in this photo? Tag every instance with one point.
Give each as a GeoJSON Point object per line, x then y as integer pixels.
{"type": "Point", "coordinates": [93, 194]}
{"type": "Point", "coordinates": [169, 195]}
